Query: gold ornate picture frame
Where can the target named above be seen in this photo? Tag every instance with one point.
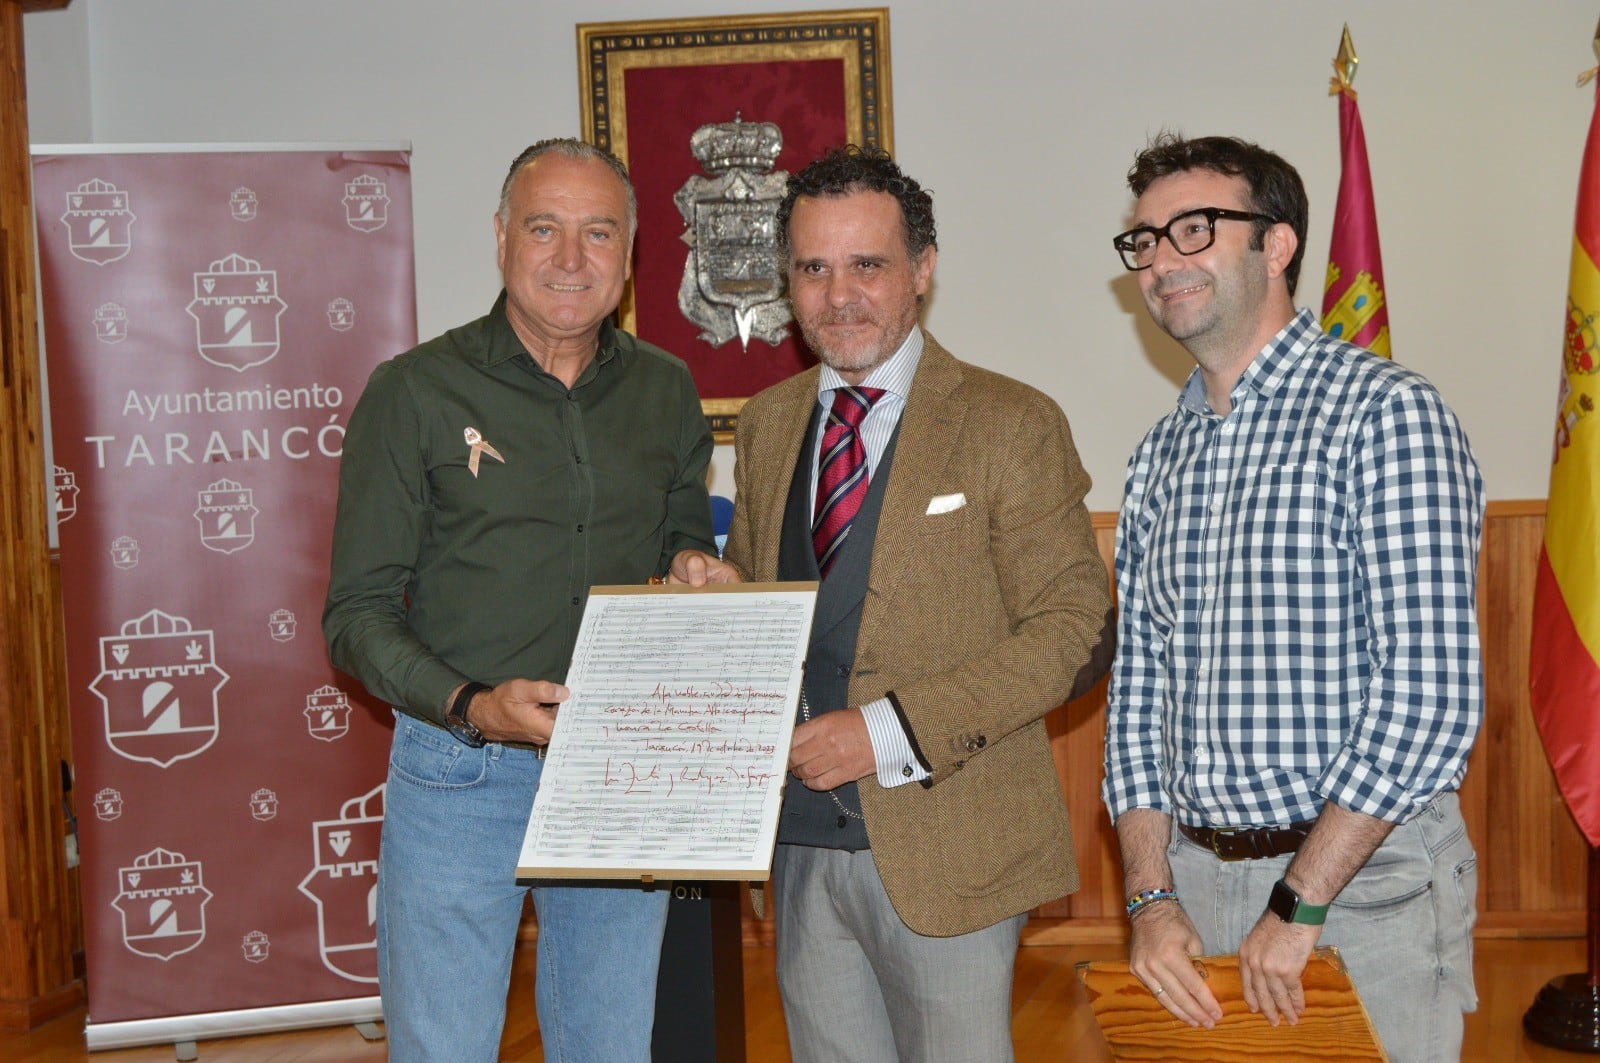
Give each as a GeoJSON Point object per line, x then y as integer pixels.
{"type": "Point", "coordinates": [780, 89]}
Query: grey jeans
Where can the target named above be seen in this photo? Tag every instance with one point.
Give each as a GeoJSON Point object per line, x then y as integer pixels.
{"type": "Point", "coordinates": [1403, 925]}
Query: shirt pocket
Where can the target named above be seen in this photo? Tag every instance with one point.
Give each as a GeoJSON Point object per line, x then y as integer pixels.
{"type": "Point", "coordinates": [1282, 516]}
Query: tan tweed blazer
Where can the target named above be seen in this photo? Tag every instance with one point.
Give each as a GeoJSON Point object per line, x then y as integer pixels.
{"type": "Point", "coordinates": [980, 620]}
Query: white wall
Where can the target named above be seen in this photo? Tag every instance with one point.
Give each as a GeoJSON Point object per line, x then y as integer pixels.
{"type": "Point", "coordinates": [57, 58]}
{"type": "Point", "coordinates": [1020, 115]}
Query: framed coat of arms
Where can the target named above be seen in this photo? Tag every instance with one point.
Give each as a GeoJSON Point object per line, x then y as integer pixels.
{"type": "Point", "coordinates": [711, 115]}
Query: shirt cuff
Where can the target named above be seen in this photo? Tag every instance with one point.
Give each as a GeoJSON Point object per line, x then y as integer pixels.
{"type": "Point", "coordinates": [891, 749]}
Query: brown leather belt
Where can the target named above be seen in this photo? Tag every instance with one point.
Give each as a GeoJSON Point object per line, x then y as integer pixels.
{"type": "Point", "coordinates": [1247, 843]}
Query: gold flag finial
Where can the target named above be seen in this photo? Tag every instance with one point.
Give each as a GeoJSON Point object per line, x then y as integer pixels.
{"type": "Point", "coordinates": [1588, 75]}
{"type": "Point", "coordinates": [1344, 67]}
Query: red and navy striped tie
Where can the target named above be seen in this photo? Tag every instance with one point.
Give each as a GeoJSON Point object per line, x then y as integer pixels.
{"type": "Point", "coordinates": [841, 472]}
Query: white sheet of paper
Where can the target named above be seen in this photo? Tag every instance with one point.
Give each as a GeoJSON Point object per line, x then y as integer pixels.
{"type": "Point", "coordinates": [669, 758]}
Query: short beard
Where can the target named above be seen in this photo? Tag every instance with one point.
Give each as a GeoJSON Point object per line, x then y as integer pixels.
{"type": "Point", "coordinates": [858, 360]}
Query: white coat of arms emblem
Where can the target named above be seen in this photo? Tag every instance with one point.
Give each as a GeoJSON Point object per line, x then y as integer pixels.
{"type": "Point", "coordinates": [66, 494]}
{"type": "Point", "coordinates": [158, 682]}
{"type": "Point", "coordinates": [341, 315]}
{"type": "Point", "coordinates": [243, 205]}
{"type": "Point", "coordinates": [366, 204]}
{"type": "Point", "coordinates": [125, 552]}
{"type": "Point", "coordinates": [99, 223]}
{"type": "Point", "coordinates": [281, 625]}
{"type": "Point", "coordinates": [163, 904]}
{"type": "Point", "coordinates": [256, 946]}
{"type": "Point", "coordinates": [327, 713]}
{"type": "Point", "coordinates": [227, 516]}
{"type": "Point", "coordinates": [263, 805]}
{"type": "Point", "coordinates": [343, 882]}
{"type": "Point", "coordinates": [236, 310]}
{"type": "Point", "coordinates": [108, 804]}
{"type": "Point", "coordinates": [110, 323]}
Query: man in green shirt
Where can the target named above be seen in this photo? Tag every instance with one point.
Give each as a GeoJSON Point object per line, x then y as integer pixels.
{"type": "Point", "coordinates": [490, 477]}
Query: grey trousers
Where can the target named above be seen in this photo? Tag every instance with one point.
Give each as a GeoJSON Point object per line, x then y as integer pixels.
{"type": "Point", "coordinates": [859, 986]}
{"type": "Point", "coordinates": [1403, 925]}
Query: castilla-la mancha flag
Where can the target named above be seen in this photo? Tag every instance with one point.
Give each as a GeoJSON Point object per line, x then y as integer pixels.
{"type": "Point", "coordinates": [1354, 307]}
{"type": "Point", "coordinates": [1564, 668]}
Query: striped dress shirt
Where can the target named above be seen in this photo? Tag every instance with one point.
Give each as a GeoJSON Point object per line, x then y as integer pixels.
{"type": "Point", "coordinates": [891, 749]}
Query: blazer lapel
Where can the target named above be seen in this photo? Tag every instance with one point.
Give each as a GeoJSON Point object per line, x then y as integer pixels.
{"type": "Point", "coordinates": [773, 465]}
{"type": "Point", "coordinates": [935, 412]}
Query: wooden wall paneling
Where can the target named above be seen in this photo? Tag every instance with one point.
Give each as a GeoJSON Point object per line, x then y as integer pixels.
{"type": "Point", "coordinates": [1077, 737]}
{"type": "Point", "coordinates": [1532, 860]}
{"type": "Point", "coordinates": [36, 976]}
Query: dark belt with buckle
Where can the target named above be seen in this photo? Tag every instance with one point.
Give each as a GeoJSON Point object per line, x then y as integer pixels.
{"type": "Point", "coordinates": [1247, 843]}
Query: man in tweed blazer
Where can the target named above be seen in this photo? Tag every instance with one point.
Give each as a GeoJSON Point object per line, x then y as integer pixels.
{"type": "Point", "coordinates": [966, 601]}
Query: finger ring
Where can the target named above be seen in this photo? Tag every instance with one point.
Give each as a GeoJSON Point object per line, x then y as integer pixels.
{"type": "Point", "coordinates": [1157, 991]}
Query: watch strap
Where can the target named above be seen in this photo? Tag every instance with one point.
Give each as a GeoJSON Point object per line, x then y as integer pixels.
{"type": "Point", "coordinates": [455, 717]}
{"type": "Point", "coordinates": [1288, 905]}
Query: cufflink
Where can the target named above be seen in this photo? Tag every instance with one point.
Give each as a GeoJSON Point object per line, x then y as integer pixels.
{"type": "Point", "coordinates": [906, 771]}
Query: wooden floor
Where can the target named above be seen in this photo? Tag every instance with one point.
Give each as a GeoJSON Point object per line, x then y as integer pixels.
{"type": "Point", "coordinates": [1051, 1019]}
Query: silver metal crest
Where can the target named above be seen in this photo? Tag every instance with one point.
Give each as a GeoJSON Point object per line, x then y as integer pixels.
{"type": "Point", "coordinates": [732, 280]}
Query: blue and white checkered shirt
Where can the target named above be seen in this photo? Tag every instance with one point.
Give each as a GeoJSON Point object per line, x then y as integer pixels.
{"type": "Point", "coordinates": [1297, 583]}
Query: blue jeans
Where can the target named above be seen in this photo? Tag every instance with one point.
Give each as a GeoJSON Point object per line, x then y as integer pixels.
{"type": "Point", "coordinates": [1403, 925]}
{"type": "Point", "coordinates": [449, 907]}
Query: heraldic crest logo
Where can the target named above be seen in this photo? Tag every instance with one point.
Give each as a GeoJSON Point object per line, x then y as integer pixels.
{"type": "Point", "coordinates": [343, 881]}
{"type": "Point", "coordinates": [1581, 359]}
{"type": "Point", "coordinates": [99, 223]}
{"type": "Point", "coordinates": [158, 682]}
{"type": "Point", "coordinates": [732, 279]}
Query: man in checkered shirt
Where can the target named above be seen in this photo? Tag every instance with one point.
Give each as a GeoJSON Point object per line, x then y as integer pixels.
{"type": "Point", "coordinates": [1297, 682]}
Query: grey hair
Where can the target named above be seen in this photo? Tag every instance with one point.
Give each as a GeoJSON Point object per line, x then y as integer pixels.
{"type": "Point", "coordinates": [570, 148]}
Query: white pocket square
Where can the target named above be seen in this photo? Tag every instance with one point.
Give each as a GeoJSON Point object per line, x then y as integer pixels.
{"type": "Point", "coordinates": [946, 503]}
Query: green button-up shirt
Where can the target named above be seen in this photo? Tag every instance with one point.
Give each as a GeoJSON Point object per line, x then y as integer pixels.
{"type": "Point", "coordinates": [480, 499]}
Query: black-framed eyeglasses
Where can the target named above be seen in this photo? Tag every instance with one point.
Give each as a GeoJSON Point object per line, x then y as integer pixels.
{"type": "Point", "coordinates": [1189, 233]}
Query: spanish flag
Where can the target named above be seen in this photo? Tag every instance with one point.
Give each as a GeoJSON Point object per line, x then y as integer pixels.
{"type": "Point", "coordinates": [1353, 304]}
{"type": "Point", "coordinates": [1564, 665]}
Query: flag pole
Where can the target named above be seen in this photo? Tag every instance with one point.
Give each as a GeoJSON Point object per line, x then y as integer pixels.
{"type": "Point", "coordinates": [1566, 1012]}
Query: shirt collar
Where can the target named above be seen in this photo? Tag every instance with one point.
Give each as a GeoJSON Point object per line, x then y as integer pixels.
{"type": "Point", "coordinates": [504, 345]}
{"type": "Point", "coordinates": [893, 376]}
{"type": "Point", "coordinates": [1267, 371]}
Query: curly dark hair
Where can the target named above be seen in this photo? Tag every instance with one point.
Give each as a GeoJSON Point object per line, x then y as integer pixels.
{"type": "Point", "coordinates": [1275, 187]}
{"type": "Point", "coordinates": [850, 169]}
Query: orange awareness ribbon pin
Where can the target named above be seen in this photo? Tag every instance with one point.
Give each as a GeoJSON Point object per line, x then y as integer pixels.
{"type": "Point", "coordinates": [479, 447]}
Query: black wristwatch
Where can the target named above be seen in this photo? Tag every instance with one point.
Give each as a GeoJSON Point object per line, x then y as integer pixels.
{"type": "Point", "coordinates": [1286, 904]}
{"type": "Point", "coordinates": [455, 719]}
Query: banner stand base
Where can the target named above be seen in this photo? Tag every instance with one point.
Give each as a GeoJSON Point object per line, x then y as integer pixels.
{"type": "Point", "coordinates": [183, 1031]}
{"type": "Point", "coordinates": [370, 1031]}
{"type": "Point", "coordinates": [186, 1052]}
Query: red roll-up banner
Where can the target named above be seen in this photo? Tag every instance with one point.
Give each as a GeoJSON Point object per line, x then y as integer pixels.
{"type": "Point", "coordinates": [211, 315]}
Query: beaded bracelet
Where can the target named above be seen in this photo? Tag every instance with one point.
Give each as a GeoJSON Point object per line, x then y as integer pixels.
{"type": "Point", "coordinates": [1145, 898]}
{"type": "Point", "coordinates": [1152, 904]}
